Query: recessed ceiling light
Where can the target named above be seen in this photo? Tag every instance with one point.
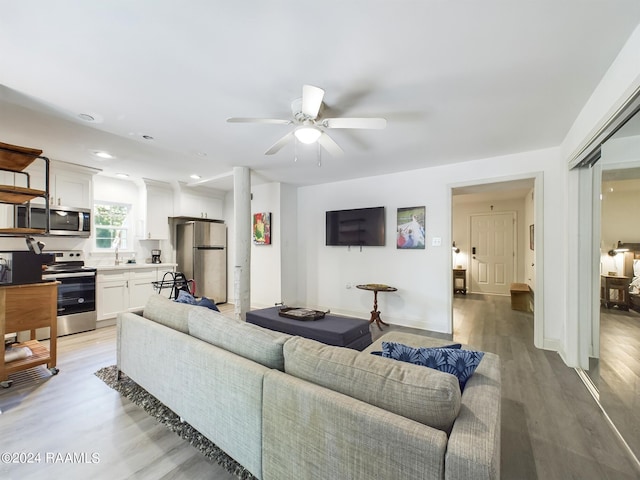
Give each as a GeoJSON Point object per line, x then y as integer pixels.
{"type": "Point", "coordinates": [102, 154]}
{"type": "Point", "coordinates": [144, 136]}
{"type": "Point", "coordinates": [90, 117]}
{"type": "Point", "coordinates": [122, 175]}
{"type": "Point", "coordinates": [195, 176]}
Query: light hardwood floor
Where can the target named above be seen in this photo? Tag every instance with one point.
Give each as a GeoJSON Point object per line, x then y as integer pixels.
{"type": "Point", "coordinates": [75, 412]}
{"type": "Point", "coordinates": [617, 374]}
{"type": "Point", "coordinates": [551, 428]}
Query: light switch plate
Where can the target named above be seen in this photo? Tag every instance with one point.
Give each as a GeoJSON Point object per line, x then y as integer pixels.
{"type": "Point", "coordinates": [436, 241]}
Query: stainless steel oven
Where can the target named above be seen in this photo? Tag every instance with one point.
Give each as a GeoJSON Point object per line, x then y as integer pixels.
{"type": "Point", "coordinates": [76, 293]}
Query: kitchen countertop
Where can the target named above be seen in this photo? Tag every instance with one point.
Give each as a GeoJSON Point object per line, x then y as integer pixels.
{"type": "Point", "coordinates": [131, 266]}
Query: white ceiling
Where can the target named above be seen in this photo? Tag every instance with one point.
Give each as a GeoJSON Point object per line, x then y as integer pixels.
{"type": "Point", "coordinates": [456, 80]}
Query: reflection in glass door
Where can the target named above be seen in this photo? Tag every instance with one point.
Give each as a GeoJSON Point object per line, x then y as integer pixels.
{"type": "Point", "coordinates": [615, 365]}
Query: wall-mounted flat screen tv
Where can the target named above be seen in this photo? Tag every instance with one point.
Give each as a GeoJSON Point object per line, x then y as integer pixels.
{"type": "Point", "coordinates": [360, 226]}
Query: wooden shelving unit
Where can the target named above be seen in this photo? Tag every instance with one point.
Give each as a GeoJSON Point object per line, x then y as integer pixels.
{"type": "Point", "coordinates": [16, 159]}
{"type": "Point", "coordinates": [26, 308]}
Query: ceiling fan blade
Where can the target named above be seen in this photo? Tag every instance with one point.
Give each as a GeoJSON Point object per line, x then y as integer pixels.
{"type": "Point", "coordinates": [279, 144]}
{"type": "Point", "coordinates": [370, 123]}
{"type": "Point", "coordinates": [330, 145]}
{"type": "Point", "coordinates": [311, 100]}
{"type": "Point", "coordinates": [259, 120]}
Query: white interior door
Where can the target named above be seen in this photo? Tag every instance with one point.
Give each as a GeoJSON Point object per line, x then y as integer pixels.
{"type": "Point", "coordinates": [492, 253]}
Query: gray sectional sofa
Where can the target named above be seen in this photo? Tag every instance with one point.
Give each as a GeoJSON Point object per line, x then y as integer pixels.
{"type": "Point", "coordinates": [292, 408]}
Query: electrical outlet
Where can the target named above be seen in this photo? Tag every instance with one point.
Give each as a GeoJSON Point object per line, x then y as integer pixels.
{"type": "Point", "coordinates": [349, 285]}
{"type": "Point", "coordinates": [436, 241]}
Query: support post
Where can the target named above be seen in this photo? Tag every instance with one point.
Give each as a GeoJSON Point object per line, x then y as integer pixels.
{"type": "Point", "coordinates": [242, 221]}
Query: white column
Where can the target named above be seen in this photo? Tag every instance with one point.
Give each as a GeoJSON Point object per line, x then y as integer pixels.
{"type": "Point", "coordinates": [242, 260]}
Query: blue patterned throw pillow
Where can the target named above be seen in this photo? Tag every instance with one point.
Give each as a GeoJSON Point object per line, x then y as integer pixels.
{"type": "Point", "coordinates": [453, 345]}
{"type": "Point", "coordinates": [461, 363]}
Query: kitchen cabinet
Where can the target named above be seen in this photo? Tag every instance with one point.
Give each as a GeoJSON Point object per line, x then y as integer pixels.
{"type": "Point", "coordinates": [112, 293]}
{"type": "Point", "coordinates": [159, 209]}
{"type": "Point", "coordinates": [199, 205]}
{"type": "Point", "coordinates": [71, 189]}
{"type": "Point", "coordinates": [69, 185]}
{"type": "Point", "coordinates": [125, 289]}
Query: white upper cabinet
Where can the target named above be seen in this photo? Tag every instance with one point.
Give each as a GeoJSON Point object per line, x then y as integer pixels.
{"type": "Point", "coordinates": [71, 189]}
{"type": "Point", "coordinates": [69, 185]}
{"type": "Point", "coordinates": [159, 209]}
{"type": "Point", "coordinates": [204, 203]}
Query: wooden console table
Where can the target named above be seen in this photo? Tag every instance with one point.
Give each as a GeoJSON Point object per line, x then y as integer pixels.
{"type": "Point", "coordinates": [460, 280]}
{"type": "Point", "coordinates": [375, 288]}
{"type": "Point", "coordinates": [618, 284]}
{"type": "Point", "coordinates": [26, 308]}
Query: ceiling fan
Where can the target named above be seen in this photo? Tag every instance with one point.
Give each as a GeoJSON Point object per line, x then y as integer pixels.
{"type": "Point", "coordinates": [309, 125]}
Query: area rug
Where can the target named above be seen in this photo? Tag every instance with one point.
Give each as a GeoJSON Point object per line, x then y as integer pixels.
{"type": "Point", "coordinates": [139, 396]}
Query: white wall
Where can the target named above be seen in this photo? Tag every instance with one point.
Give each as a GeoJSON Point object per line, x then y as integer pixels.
{"type": "Point", "coordinates": [423, 299]}
{"type": "Point", "coordinates": [266, 272]}
{"type": "Point", "coordinates": [289, 244]}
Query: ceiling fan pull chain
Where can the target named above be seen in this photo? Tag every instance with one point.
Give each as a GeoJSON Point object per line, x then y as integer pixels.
{"type": "Point", "coordinates": [295, 149]}
{"type": "Point", "coordinates": [319, 150]}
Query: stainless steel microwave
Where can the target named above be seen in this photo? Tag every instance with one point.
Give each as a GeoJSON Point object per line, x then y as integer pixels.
{"type": "Point", "coordinates": [70, 222]}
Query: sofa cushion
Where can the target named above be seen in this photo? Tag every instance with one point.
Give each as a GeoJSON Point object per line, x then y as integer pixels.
{"type": "Point", "coordinates": [167, 312]}
{"type": "Point", "coordinates": [458, 362]}
{"type": "Point", "coordinates": [421, 394]}
{"type": "Point", "coordinates": [250, 341]}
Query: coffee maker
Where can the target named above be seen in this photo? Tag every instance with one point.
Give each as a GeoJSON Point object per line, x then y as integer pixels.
{"type": "Point", "coordinates": [155, 256]}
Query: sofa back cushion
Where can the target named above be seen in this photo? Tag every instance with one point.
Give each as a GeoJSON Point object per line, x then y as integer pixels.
{"type": "Point", "coordinates": [250, 341]}
{"type": "Point", "coordinates": [421, 394]}
{"type": "Point", "coordinates": [167, 312]}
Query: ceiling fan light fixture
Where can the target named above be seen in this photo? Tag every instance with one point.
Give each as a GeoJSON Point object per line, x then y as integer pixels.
{"type": "Point", "coordinates": [307, 134]}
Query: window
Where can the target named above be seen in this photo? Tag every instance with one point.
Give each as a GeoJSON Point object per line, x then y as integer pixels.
{"type": "Point", "coordinates": [112, 225]}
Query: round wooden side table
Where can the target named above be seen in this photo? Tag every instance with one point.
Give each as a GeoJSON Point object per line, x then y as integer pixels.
{"type": "Point", "coordinates": [375, 288]}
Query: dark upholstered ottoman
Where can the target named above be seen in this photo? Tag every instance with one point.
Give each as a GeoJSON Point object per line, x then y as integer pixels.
{"type": "Point", "coordinates": [332, 329]}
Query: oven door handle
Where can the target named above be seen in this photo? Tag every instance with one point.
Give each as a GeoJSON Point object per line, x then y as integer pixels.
{"type": "Point", "coordinates": [54, 276]}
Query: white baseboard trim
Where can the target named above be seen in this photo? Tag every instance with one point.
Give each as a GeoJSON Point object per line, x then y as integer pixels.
{"type": "Point", "coordinates": [106, 323]}
{"type": "Point", "coordinates": [553, 344]}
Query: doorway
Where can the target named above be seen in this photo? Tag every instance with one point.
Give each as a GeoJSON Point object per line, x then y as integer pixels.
{"type": "Point", "coordinates": [516, 201]}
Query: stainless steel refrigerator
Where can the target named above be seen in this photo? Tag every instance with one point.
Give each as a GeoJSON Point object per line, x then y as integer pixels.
{"type": "Point", "coordinates": [201, 254]}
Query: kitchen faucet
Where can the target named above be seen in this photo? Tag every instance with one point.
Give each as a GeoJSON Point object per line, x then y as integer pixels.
{"type": "Point", "coordinates": [116, 245]}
